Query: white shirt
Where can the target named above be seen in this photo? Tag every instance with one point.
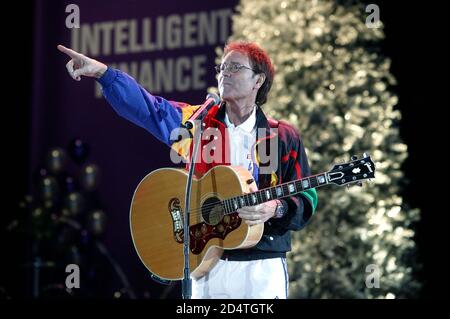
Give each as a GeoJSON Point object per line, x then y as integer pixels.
{"type": "Point", "coordinates": [242, 138]}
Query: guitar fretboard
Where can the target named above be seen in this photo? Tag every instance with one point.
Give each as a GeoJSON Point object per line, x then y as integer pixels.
{"type": "Point", "coordinates": [275, 192]}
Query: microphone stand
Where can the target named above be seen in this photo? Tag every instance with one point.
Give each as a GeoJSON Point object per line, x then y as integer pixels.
{"type": "Point", "coordinates": [187, 281]}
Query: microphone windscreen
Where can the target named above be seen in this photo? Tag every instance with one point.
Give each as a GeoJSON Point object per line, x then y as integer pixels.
{"type": "Point", "coordinates": [215, 97]}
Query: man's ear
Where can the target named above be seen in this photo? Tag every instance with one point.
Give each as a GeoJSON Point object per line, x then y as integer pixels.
{"type": "Point", "coordinates": [260, 81]}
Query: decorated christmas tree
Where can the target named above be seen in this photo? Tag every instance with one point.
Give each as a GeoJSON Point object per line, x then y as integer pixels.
{"type": "Point", "coordinates": [335, 86]}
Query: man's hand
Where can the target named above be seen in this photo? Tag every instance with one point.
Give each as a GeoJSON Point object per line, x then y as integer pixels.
{"type": "Point", "coordinates": [253, 215]}
{"type": "Point", "coordinates": [82, 65]}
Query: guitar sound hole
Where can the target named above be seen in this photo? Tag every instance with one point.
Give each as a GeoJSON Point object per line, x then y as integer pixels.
{"type": "Point", "coordinates": [212, 211]}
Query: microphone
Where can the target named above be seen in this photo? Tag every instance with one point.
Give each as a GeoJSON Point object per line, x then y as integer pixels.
{"type": "Point", "coordinates": [211, 100]}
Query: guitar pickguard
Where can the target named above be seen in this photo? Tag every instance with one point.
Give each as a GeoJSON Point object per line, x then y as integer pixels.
{"type": "Point", "coordinates": [201, 233]}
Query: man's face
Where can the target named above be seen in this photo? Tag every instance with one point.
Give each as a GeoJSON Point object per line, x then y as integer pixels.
{"type": "Point", "coordinates": [239, 85]}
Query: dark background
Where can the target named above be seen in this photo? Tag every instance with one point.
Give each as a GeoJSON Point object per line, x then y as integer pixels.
{"type": "Point", "coordinates": [417, 43]}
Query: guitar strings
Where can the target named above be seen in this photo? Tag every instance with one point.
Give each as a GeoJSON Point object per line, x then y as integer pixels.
{"type": "Point", "coordinates": [198, 211]}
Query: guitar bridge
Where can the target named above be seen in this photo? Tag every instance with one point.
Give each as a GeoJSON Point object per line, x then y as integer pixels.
{"type": "Point", "coordinates": [177, 219]}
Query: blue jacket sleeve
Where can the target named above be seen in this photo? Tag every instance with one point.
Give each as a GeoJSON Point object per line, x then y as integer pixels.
{"type": "Point", "coordinates": [131, 101]}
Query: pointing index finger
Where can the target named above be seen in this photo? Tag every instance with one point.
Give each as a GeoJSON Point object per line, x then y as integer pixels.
{"type": "Point", "coordinates": [69, 52]}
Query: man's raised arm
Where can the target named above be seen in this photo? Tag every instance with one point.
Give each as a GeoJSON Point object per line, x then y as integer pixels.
{"type": "Point", "coordinates": [129, 99]}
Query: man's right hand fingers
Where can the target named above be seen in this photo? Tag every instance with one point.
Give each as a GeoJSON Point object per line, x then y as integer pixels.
{"type": "Point", "coordinates": [73, 54]}
{"type": "Point", "coordinates": [71, 71]}
{"type": "Point", "coordinates": [79, 72]}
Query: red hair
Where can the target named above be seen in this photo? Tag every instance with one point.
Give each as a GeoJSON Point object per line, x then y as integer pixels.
{"type": "Point", "coordinates": [259, 61]}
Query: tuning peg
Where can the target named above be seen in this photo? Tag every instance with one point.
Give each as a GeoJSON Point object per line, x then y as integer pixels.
{"type": "Point", "coordinates": [354, 157]}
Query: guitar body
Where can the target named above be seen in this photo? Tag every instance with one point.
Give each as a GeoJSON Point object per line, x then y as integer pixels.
{"type": "Point", "coordinates": [157, 218]}
{"type": "Point", "coordinates": [157, 213]}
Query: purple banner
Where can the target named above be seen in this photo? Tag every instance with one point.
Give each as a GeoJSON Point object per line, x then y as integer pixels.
{"type": "Point", "coordinates": [167, 46]}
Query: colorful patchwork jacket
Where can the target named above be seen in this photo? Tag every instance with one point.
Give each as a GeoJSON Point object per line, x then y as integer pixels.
{"type": "Point", "coordinates": [161, 117]}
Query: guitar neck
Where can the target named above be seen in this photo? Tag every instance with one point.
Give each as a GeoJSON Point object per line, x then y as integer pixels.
{"type": "Point", "coordinates": [275, 192]}
{"type": "Point", "coordinates": [340, 174]}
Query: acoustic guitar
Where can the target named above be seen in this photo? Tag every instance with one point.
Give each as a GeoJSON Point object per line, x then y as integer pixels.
{"type": "Point", "coordinates": [156, 215]}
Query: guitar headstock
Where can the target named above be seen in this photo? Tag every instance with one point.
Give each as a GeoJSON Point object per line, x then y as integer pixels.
{"type": "Point", "coordinates": [352, 172]}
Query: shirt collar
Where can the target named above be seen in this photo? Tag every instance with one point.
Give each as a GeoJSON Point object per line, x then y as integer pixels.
{"type": "Point", "coordinates": [248, 125]}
